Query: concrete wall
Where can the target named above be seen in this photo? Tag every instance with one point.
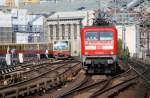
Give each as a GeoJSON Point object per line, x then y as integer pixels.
{"type": "Point", "coordinates": [5, 20]}
{"type": "Point", "coordinates": [5, 28]}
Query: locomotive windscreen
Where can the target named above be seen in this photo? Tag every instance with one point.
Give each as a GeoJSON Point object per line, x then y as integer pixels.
{"type": "Point", "coordinates": [99, 40]}
{"type": "Point", "coordinates": [99, 36]}
{"type": "Point", "coordinates": [61, 45]}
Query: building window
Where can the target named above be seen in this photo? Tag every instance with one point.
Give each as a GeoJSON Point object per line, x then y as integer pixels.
{"type": "Point", "coordinates": [15, 28]}
{"type": "Point", "coordinates": [69, 31]}
{"type": "Point", "coordinates": [63, 31]}
{"type": "Point", "coordinates": [51, 31]}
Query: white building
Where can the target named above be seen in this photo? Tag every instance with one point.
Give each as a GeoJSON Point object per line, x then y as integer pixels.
{"type": "Point", "coordinates": [66, 26]}
{"type": "Point", "coordinates": [5, 28]}
{"type": "Point", "coordinates": [130, 37]}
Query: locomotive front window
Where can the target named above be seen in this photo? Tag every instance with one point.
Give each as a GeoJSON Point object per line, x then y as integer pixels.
{"type": "Point", "coordinates": [92, 36]}
{"type": "Point", "coordinates": [61, 45]}
{"type": "Point", "coordinates": [106, 36]}
{"type": "Point", "coordinates": [99, 36]}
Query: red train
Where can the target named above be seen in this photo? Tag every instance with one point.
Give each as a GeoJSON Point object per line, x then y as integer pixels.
{"type": "Point", "coordinates": [99, 49]}
{"type": "Point", "coordinates": [57, 49]}
{"type": "Point", "coordinates": [61, 49]}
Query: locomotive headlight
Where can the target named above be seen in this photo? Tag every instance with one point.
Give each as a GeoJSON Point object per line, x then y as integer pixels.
{"type": "Point", "coordinates": [109, 61]}
{"type": "Point", "coordinates": [86, 53]}
{"type": "Point", "coordinates": [112, 52]}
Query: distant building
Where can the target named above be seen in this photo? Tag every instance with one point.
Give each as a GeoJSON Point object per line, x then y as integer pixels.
{"type": "Point", "coordinates": [31, 1]}
{"type": "Point", "coordinates": [130, 37]}
{"type": "Point", "coordinates": [66, 26]}
{"type": "Point", "coordinates": [27, 28]}
{"type": "Point", "coordinates": [10, 3]}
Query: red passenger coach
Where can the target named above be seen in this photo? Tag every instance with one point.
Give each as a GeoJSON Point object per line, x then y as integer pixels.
{"type": "Point", "coordinates": [99, 49]}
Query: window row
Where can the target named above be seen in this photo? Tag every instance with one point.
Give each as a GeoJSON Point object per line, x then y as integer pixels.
{"type": "Point", "coordinates": [99, 35]}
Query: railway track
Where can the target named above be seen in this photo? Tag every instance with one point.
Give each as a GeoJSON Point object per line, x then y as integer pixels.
{"type": "Point", "coordinates": [21, 71]}
{"type": "Point", "coordinates": [11, 69]}
{"type": "Point", "coordinates": [108, 87]}
{"type": "Point", "coordinates": [46, 77]}
{"type": "Point", "coordinates": [142, 69]}
{"type": "Point", "coordinates": [52, 77]}
{"type": "Point", "coordinates": [113, 90]}
{"type": "Point", "coordinates": [138, 70]}
{"type": "Point", "coordinates": [88, 86]}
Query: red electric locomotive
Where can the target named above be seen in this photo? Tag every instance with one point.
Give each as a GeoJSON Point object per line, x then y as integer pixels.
{"type": "Point", "coordinates": [99, 49]}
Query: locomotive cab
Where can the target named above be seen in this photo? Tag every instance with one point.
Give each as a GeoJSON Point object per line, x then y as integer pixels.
{"type": "Point", "coordinates": [61, 49]}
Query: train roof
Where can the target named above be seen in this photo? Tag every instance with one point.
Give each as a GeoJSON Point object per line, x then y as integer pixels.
{"type": "Point", "coordinates": [99, 26]}
{"type": "Point", "coordinates": [22, 43]}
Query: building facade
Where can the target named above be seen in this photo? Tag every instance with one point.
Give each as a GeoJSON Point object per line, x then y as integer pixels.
{"type": "Point", "coordinates": [66, 26]}
{"type": "Point", "coordinates": [27, 28]}
{"type": "Point", "coordinates": [144, 38]}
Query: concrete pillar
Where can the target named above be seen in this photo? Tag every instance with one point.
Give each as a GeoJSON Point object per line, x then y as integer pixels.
{"type": "Point", "coordinates": [60, 32]}
{"type": "Point", "coordinates": [66, 32]}
{"type": "Point", "coordinates": [54, 32]}
{"type": "Point", "coordinates": [75, 41]}
{"type": "Point", "coordinates": [3, 95]}
{"type": "Point", "coordinates": [8, 59]}
{"type": "Point", "coordinates": [45, 85]}
{"type": "Point", "coordinates": [72, 31]}
{"type": "Point", "coordinates": [28, 90]}
{"type": "Point", "coordinates": [37, 87]}
{"type": "Point", "coordinates": [21, 57]}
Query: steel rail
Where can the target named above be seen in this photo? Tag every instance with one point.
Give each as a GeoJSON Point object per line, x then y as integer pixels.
{"type": "Point", "coordinates": [31, 80]}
